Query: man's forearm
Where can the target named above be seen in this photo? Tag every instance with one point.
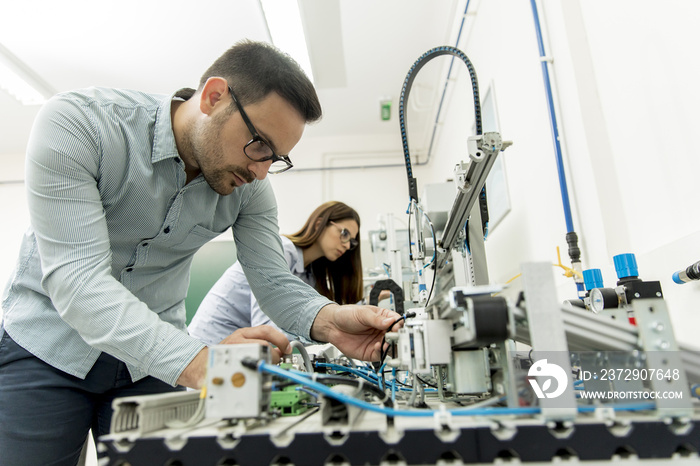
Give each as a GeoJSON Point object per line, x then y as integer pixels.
{"type": "Point", "coordinates": [323, 323]}
{"type": "Point", "coordinates": [195, 372]}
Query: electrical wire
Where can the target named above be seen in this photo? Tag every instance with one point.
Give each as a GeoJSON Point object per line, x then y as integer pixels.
{"type": "Point", "coordinates": [304, 354]}
{"type": "Point", "coordinates": [336, 380]}
{"type": "Point", "coordinates": [417, 207]}
{"type": "Point", "coordinates": [408, 228]}
{"type": "Point", "coordinates": [303, 418]}
{"type": "Point", "coordinates": [349, 370]}
{"type": "Point", "coordinates": [571, 236]}
{"type": "Point", "coordinates": [392, 412]}
{"type": "Point", "coordinates": [568, 271]}
{"type": "Point", "coordinates": [383, 353]}
{"type": "Point", "coordinates": [196, 417]}
{"type": "Point", "coordinates": [424, 382]}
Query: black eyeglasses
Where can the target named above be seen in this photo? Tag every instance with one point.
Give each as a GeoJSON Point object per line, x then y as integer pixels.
{"type": "Point", "coordinates": [346, 236]}
{"type": "Point", "coordinates": [257, 149]}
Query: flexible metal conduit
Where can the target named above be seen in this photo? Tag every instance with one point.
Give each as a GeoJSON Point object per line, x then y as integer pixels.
{"type": "Point", "coordinates": [406, 89]}
{"type": "Point", "coordinates": [572, 238]}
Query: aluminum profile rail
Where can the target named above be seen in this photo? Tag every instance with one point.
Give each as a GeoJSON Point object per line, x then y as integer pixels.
{"type": "Point", "coordinates": [483, 151]}
{"type": "Point", "coordinates": [587, 331]}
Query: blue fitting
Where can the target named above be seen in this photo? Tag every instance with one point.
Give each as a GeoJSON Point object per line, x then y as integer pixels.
{"type": "Point", "coordinates": [592, 278]}
{"type": "Point", "coordinates": [677, 277]}
{"type": "Point", "coordinates": [625, 266]}
{"type": "Point", "coordinates": [695, 390]}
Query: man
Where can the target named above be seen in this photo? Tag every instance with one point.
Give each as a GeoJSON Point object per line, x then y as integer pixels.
{"type": "Point", "coordinates": [123, 188]}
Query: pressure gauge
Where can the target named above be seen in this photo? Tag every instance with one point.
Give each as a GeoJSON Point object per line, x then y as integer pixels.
{"type": "Point", "coordinates": [603, 298]}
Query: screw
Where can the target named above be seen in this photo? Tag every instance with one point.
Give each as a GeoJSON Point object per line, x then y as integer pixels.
{"type": "Point", "coordinates": [238, 379]}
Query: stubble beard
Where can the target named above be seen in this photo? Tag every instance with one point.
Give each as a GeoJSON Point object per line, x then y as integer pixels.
{"type": "Point", "coordinates": [207, 151]}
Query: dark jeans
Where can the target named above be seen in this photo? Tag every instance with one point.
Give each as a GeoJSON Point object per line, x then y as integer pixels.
{"type": "Point", "coordinates": [45, 414]}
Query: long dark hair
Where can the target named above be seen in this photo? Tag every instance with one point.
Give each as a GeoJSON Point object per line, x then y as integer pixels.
{"type": "Point", "coordinates": [340, 280]}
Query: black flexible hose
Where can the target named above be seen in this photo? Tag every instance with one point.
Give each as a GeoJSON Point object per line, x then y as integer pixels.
{"type": "Point", "coordinates": [406, 89]}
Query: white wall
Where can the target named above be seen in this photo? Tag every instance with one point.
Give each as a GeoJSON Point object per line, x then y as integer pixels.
{"type": "Point", "coordinates": [625, 79]}
{"type": "Point", "coordinates": [15, 215]}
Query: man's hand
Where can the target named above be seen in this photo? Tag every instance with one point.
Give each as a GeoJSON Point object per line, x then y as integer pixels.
{"type": "Point", "coordinates": [194, 374]}
{"type": "Point", "coordinates": [357, 331]}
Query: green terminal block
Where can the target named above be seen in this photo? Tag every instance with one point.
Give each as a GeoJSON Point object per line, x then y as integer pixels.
{"type": "Point", "coordinates": [289, 401]}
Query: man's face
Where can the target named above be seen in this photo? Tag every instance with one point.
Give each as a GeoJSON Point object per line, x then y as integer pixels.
{"type": "Point", "coordinates": [217, 142]}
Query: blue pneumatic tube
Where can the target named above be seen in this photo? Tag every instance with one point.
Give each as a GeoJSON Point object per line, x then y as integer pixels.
{"type": "Point", "coordinates": [689, 274]}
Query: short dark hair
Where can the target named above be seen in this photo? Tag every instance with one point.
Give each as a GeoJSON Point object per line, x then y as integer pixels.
{"type": "Point", "coordinates": [254, 69]}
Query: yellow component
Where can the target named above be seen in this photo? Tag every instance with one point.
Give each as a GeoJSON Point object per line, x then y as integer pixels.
{"type": "Point", "coordinates": [518, 275]}
{"type": "Point", "coordinates": [203, 393]}
{"type": "Point", "coordinates": [568, 271]}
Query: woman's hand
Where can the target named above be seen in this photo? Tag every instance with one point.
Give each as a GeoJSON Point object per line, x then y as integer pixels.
{"type": "Point", "coordinates": [263, 334]}
{"type": "Point", "coordinates": [195, 372]}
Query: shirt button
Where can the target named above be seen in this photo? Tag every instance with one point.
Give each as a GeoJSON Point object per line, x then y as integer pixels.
{"type": "Point", "coordinates": [166, 230]}
{"type": "Point", "coordinates": [177, 159]}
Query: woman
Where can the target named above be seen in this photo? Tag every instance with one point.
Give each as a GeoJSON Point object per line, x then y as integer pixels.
{"type": "Point", "coordinates": [325, 253]}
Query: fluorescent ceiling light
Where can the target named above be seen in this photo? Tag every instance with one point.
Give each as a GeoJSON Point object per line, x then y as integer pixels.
{"type": "Point", "coordinates": [286, 30]}
{"type": "Point", "coordinates": [18, 80]}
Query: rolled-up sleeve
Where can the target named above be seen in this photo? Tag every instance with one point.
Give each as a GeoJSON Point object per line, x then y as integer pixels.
{"type": "Point", "coordinates": [286, 299]}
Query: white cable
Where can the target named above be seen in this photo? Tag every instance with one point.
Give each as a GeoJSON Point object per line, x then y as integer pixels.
{"type": "Point", "coordinates": [304, 354]}
{"type": "Point", "coordinates": [196, 417]}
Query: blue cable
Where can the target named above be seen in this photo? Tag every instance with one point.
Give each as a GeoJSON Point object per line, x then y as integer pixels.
{"type": "Point", "coordinates": [306, 390]}
{"type": "Point", "coordinates": [357, 372]}
{"type": "Point", "coordinates": [380, 373]}
{"type": "Point", "coordinates": [625, 407]}
{"type": "Point", "coordinates": [553, 121]}
{"type": "Point", "coordinates": [301, 378]}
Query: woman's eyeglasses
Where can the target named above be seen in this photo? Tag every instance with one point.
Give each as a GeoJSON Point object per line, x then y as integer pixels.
{"type": "Point", "coordinates": [346, 236]}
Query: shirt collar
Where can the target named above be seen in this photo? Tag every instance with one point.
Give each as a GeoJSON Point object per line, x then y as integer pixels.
{"type": "Point", "coordinates": [299, 266]}
{"type": "Point", "coordinates": [164, 146]}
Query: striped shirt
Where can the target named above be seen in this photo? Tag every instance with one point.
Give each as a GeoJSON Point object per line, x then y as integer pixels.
{"type": "Point", "coordinates": [105, 263]}
{"type": "Point", "coordinates": [230, 305]}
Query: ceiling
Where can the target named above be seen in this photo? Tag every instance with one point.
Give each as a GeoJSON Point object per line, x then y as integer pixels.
{"type": "Point", "coordinates": [360, 51]}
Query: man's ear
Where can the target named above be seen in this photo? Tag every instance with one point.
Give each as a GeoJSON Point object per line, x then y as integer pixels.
{"type": "Point", "coordinates": [215, 92]}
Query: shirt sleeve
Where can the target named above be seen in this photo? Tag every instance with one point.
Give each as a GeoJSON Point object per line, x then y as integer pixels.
{"type": "Point", "coordinates": [224, 309]}
{"type": "Point", "coordinates": [257, 316]}
{"type": "Point", "coordinates": [67, 215]}
{"type": "Point", "coordinates": [287, 300]}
